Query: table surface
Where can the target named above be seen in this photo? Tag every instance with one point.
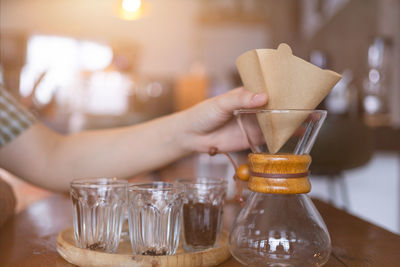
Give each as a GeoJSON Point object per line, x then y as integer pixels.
{"type": "Point", "coordinates": [29, 238]}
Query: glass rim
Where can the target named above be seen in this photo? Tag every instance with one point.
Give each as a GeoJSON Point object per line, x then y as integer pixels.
{"type": "Point", "coordinates": [98, 182]}
{"type": "Point", "coordinates": [203, 181]}
{"type": "Point", "coordinates": [253, 111]}
{"type": "Point", "coordinates": [155, 186]}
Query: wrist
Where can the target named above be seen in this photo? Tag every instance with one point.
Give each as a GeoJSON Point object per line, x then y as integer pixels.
{"type": "Point", "coordinates": [184, 136]}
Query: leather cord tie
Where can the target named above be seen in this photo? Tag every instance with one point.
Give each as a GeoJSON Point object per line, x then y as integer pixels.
{"type": "Point", "coordinates": [279, 175]}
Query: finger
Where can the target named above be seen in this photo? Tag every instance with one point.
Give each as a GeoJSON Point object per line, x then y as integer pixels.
{"type": "Point", "coordinates": [239, 99]}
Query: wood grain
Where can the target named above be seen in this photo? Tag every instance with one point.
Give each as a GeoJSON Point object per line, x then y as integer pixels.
{"type": "Point", "coordinates": [124, 257]}
{"type": "Point", "coordinates": [279, 164]}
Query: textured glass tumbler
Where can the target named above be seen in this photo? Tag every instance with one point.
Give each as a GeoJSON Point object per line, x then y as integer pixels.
{"type": "Point", "coordinates": [155, 217]}
{"type": "Point", "coordinates": [98, 212]}
{"type": "Point", "coordinates": [203, 212]}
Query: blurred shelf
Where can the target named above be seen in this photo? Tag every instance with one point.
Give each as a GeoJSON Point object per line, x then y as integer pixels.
{"type": "Point", "coordinates": [386, 139]}
{"type": "Point", "coordinates": [378, 120]}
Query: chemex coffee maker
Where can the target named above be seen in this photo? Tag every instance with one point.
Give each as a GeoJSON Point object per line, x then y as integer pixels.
{"type": "Point", "coordinates": [279, 225]}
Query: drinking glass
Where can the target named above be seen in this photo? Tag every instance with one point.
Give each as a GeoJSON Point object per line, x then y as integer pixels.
{"type": "Point", "coordinates": [155, 217]}
{"type": "Point", "coordinates": [98, 212]}
{"type": "Point", "coordinates": [203, 212]}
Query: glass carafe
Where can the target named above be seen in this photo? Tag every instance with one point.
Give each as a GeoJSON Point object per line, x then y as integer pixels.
{"type": "Point", "coordinates": [279, 225]}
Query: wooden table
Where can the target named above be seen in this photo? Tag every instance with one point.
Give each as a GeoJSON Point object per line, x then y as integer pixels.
{"type": "Point", "coordinates": [29, 238]}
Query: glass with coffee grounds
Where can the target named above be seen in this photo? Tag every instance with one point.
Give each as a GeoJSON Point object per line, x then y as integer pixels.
{"type": "Point", "coordinates": [202, 212]}
{"type": "Point", "coordinates": [98, 212]}
{"type": "Point", "coordinates": [155, 217]}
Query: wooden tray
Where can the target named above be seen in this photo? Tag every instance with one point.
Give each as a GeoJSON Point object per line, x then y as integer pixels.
{"type": "Point", "coordinates": [124, 257]}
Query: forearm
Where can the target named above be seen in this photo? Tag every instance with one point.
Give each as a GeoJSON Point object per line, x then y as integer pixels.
{"type": "Point", "coordinates": [52, 161]}
{"type": "Point", "coordinates": [47, 159]}
{"type": "Point", "coordinates": [123, 152]}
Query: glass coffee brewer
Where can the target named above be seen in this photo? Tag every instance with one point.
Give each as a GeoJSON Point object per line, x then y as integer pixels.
{"type": "Point", "coordinates": [279, 225]}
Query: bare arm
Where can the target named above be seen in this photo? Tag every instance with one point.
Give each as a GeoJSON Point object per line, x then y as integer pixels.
{"type": "Point", "coordinates": [50, 160]}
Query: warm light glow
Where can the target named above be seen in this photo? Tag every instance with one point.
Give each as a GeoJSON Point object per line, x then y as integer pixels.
{"type": "Point", "coordinates": [132, 9]}
{"type": "Point", "coordinates": [131, 5]}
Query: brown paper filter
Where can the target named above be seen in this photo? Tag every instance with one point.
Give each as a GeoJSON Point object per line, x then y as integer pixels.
{"type": "Point", "coordinates": [290, 83]}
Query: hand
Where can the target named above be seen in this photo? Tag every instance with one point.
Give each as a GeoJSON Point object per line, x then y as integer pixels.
{"type": "Point", "coordinates": [127, 151]}
{"type": "Point", "coordinates": [211, 123]}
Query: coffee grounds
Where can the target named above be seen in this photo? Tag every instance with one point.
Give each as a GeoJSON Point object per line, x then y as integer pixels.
{"type": "Point", "coordinates": [200, 223]}
{"type": "Point", "coordinates": [153, 252]}
{"type": "Point", "coordinates": [96, 246]}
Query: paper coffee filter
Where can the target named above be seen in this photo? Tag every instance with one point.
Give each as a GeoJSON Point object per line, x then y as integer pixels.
{"type": "Point", "coordinates": [290, 83]}
{"type": "Point", "coordinates": [278, 128]}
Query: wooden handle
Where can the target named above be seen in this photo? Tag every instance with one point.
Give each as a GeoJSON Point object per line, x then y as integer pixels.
{"type": "Point", "coordinates": [279, 173]}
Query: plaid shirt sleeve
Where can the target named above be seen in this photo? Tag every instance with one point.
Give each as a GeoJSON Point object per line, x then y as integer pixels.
{"type": "Point", "coordinates": [14, 119]}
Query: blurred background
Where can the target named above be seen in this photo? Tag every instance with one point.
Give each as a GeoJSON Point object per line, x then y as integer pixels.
{"type": "Point", "coordinates": [90, 64]}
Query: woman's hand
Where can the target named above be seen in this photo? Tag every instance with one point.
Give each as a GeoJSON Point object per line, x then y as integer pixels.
{"type": "Point", "coordinates": [211, 123]}
{"type": "Point", "coordinates": [127, 151]}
